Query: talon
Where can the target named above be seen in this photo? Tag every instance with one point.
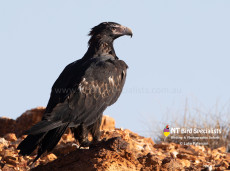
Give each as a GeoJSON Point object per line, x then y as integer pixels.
{"type": "Point", "coordinates": [76, 145]}
{"type": "Point", "coordinates": [86, 148]}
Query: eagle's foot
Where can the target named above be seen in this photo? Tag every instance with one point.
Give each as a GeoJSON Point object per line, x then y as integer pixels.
{"type": "Point", "coordinates": [85, 144]}
{"type": "Point", "coordinates": [95, 143]}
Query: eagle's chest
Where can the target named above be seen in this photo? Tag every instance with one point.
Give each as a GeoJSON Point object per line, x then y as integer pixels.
{"type": "Point", "coordinates": [103, 80]}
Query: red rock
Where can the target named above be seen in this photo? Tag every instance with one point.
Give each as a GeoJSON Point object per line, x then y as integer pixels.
{"type": "Point", "coordinates": [107, 123]}
{"type": "Point", "coordinates": [28, 119]}
{"type": "Point", "coordinates": [22, 123]}
{"type": "Point", "coordinates": [7, 125]}
{"type": "Point", "coordinates": [4, 142]}
{"type": "Point", "coordinates": [10, 137]}
{"type": "Point", "coordinates": [8, 168]}
{"type": "Point", "coordinates": [185, 163]}
{"type": "Point", "coordinates": [225, 164]}
{"type": "Point", "coordinates": [118, 149]}
{"type": "Point", "coordinates": [48, 158]}
{"type": "Point", "coordinates": [11, 160]}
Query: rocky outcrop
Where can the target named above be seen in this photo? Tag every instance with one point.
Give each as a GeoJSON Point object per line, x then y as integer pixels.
{"type": "Point", "coordinates": [7, 125]}
{"type": "Point", "coordinates": [118, 150]}
{"type": "Point", "coordinates": [27, 119]}
{"type": "Point", "coordinates": [22, 123]}
{"type": "Point", "coordinates": [107, 123]}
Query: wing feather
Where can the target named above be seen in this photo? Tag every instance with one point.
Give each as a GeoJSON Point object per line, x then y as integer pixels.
{"type": "Point", "coordinates": [92, 91]}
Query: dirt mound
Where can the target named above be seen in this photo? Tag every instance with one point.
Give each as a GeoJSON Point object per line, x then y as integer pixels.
{"type": "Point", "coordinates": [118, 150]}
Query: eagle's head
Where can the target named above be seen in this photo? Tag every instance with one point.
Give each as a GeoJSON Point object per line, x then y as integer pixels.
{"type": "Point", "coordinates": [109, 31]}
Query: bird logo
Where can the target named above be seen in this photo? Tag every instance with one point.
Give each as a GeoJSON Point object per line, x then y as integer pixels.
{"type": "Point", "coordinates": [166, 131]}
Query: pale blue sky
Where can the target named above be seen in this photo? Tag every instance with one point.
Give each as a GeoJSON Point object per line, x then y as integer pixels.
{"type": "Point", "coordinates": [179, 49]}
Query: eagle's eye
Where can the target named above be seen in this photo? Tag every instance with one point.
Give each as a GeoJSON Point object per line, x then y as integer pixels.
{"type": "Point", "coordinates": [113, 28]}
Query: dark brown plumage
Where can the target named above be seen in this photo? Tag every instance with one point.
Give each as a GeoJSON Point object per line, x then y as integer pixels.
{"type": "Point", "coordinates": [81, 93]}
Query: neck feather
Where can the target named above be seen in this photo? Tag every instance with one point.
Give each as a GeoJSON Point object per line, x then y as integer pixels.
{"type": "Point", "coordinates": [99, 46]}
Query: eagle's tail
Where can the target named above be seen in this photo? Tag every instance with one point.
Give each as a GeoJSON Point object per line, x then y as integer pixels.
{"type": "Point", "coordinates": [45, 141]}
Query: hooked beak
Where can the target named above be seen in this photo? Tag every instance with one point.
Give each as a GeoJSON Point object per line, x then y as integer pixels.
{"type": "Point", "coordinates": [128, 31]}
{"type": "Point", "coordinates": [122, 31]}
